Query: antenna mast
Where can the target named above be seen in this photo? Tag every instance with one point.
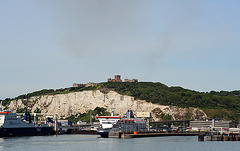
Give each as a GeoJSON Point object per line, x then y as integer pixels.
{"type": "Point", "coordinates": [1, 106]}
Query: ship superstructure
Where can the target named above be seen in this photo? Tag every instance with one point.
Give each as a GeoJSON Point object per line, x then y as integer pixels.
{"type": "Point", "coordinates": [131, 125]}
{"type": "Point", "coordinates": [106, 123]}
{"type": "Point", "coordinates": [116, 124]}
{"type": "Point", "coordinates": [12, 125]}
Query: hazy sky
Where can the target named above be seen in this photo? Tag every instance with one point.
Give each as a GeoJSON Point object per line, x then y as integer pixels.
{"type": "Point", "coordinates": [54, 43]}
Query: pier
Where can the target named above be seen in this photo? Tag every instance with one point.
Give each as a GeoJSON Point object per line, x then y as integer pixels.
{"type": "Point", "coordinates": [147, 134]}
{"type": "Point", "coordinates": [223, 138]}
{"type": "Point", "coordinates": [157, 135]}
{"type": "Point", "coordinates": [171, 122]}
{"type": "Point", "coordinates": [201, 136]}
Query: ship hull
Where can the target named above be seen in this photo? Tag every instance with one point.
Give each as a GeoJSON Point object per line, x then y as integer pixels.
{"type": "Point", "coordinates": [33, 131]}
{"type": "Point", "coordinates": [73, 131]}
{"type": "Point", "coordinates": [103, 131]}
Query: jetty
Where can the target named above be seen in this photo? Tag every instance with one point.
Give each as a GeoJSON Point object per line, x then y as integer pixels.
{"type": "Point", "coordinates": [147, 134]}
{"type": "Point", "coordinates": [223, 138]}
{"type": "Point", "coordinates": [157, 135]}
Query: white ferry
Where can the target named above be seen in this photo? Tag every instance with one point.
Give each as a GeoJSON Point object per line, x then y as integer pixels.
{"type": "Point", "coordinates": [106, 123]}
{"type": "Point", "coordinates": [119, 124]}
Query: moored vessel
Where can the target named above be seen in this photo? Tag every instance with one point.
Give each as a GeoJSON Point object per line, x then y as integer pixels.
{"type": "Point", "coordinates": [128, 124]}
{"type": "Point", "coordinates": [106, 123]}
{"type": "Point", "coordinates": [12, 125]}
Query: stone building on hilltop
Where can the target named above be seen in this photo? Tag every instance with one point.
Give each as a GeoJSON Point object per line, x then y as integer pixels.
{"type": "Point", "coordinates": [116, 79]}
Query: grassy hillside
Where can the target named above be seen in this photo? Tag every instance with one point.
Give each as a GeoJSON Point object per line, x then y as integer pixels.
{"type": "Point", "coordinates": [215, 104]}
{"type": "Point", "coordinates": [221, 104]}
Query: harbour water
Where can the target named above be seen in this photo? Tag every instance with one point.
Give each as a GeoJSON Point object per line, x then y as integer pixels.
{"type": "Point", "coordinates": [95, 143]}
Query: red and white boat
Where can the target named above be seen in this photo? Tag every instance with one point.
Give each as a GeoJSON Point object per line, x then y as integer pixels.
{"type": "Point", "coordinates": [106, 123]}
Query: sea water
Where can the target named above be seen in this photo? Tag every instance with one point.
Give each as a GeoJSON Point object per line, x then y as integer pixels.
{"type": "Point", "coordinates": [95, 143]}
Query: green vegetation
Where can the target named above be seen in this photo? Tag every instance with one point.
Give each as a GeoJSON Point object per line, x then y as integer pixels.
{"type": "Point", "coordinates": [21, 110]}
{"type": "Point", "coordinates": [6, 102]}
{"type": "Point", "coordinates": [221, 104]}
{"type": "Point", "coordinates": [37, 110]}
{"type": "Point", "coordinates": [86, 116]}
{"type": "Point", "coordinates": [166, 117]}
{"type": "Point", "coordinates": [52, 92]}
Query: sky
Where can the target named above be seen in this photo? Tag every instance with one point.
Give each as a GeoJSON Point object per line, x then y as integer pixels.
{"type": "Point", "coordinates": [51, 44]}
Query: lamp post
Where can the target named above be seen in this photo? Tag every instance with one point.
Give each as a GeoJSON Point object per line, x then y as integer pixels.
{"type": "Point", "coordinates": [171, 109]}
{"type": "Point", "coordinates": [1, 106]}
{"type": "Point", "coordinates": [91, 117]}
{"type": "Point", "coordinates": [238, 122]}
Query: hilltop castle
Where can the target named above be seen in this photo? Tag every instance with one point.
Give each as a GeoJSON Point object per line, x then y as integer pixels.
{"type": "Point", "coordinates": [118, 79]}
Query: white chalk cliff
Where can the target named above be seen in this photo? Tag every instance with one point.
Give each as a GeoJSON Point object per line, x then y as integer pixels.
{"type": "Point", "coordinates": [80, 102]}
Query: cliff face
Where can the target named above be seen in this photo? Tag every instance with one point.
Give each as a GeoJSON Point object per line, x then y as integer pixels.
{"type": "Point", "coordinates": [80, 102]}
